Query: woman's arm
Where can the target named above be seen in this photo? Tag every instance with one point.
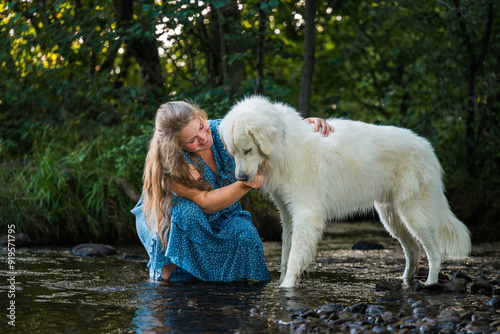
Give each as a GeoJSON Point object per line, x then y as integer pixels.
{"type": "Point", "coordinates": [319, 124]}
{"type": "Point", "coordinates": [217, 199]}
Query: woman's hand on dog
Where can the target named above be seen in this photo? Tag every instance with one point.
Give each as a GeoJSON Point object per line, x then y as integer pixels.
{"type": "Point", "coordinates": [320, 125]}
{"type": "Point", "coordinates": [256, 182]}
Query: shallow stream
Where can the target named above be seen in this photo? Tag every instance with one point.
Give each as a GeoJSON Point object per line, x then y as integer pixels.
{"type": "Point", "coordinates": [58, 292]}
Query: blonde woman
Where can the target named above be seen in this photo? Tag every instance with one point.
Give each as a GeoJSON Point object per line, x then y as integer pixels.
{"type": "Point", "coordinates": [189, 218]}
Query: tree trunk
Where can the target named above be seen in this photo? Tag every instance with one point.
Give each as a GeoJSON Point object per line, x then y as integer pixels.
{"type": "Point", "coordinates": [475, 63]}
{"type": "Point", "coordinates": [260, 48]}
{"type": "Point", "coordinates": [144, 50]}
{"type": "Point", "coordinates": [233, 70]}
{"type": "Point", "coordinates": [309, 57]}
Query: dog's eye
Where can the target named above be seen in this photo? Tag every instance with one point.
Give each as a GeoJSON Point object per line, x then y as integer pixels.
{"type": "Point", "coordinates": [245, 152]}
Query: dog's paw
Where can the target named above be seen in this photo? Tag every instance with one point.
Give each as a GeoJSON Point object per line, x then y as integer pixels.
{"type": "Point", "coordinates": [288, 283]}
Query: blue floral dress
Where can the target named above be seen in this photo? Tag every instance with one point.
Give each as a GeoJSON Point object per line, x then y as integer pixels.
{"type": "Point", "coordinates": [223, 246]}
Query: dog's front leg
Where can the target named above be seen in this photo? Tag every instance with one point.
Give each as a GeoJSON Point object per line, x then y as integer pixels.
{"type": "Point", "coordinates": [286, 235]}
{"type": "Point", "coordinates": [286, 224]}
{"type": "Point", "coordinates": [307, 229]}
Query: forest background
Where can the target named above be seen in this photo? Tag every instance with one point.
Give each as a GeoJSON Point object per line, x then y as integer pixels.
{"type": "Point", "coordinates": [80, 82]}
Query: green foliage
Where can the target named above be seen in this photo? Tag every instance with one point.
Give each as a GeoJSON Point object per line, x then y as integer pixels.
{"type": "Point", "coordinates": [77, 105]}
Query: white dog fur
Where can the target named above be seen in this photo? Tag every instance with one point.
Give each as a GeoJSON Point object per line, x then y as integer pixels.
{"type": "Point", "coordinates": [314, 179]}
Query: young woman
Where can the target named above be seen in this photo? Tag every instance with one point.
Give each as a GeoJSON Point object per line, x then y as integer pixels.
{"type": "Point", "coordinates": [189, 218]}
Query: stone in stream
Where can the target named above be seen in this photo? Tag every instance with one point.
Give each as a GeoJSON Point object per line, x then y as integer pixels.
{"type": "Point", "coordinates": [367, 245]}
{"type": "Point", "coordinates": [20, 240]}
{"type": "Point", "coordinates": [457, 285]}
{"type": "Point", "coordinates": [494, 302]}
{"type": "Point", "coordinates": [482, 287]}
{"type": "Point", "coordinates": [459, 274]}
{"type": "Point", "coordinates": [93, 250]}
{"type": "Point", "coordinates": [388, 286]}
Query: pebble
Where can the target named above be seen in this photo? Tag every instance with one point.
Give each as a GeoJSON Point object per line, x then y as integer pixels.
{"type": "Point", "coordinates": [418, 317]}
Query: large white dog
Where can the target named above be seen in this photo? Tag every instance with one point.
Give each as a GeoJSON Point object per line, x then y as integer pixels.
{"type": "Point", "coordinates": [313, 179]}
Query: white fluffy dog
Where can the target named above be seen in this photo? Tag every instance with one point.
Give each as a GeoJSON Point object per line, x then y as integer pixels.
{"type": "Point", "coordinates": [313, 179]}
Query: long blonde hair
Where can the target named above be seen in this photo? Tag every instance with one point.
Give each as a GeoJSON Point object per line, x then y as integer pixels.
{"type": "Point", "coordinates": [165, 163]}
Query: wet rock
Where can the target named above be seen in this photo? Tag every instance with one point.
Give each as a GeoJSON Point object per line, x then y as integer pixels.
{"type": "Point", "coordinates": [326, 311]}
{"type": "Point", "coordinates": [418, 287]}
{"type": "Point", "coordinates": [375, 310]}
{"type": "Point", "coordinates": [417, 303]}
{"type": "Point", "coordinates": [419, 312]}
{"type": "Point", "coordinates": [389, 317]}
{"type": "Point", "coordinates": [357, 308]}
{"type": "Point", "coordinates": [482, 316]}
{"type": "Point", "coordinates": [478, 327]}
{"type": "Point", "coordinates": [93, 250]}
{"type": "Point", "coordinates": [379, 330]}
{"type": "Point", "coordinates": [388, 286]}
{"type": "Point", "coordinates": [465, 315]}
{"type": "Point", "coordinates": [429, 327]}
{"type": "Point", "coordinates": [338, 307]}
{"type": "Point", "coordinates": [457, 285]}
{"type": "Point", "coordinates": [449, 315]}
{"type": "Point", "coordinates": [482, 287]}
{"type": "Point", "coordinates": [367, 245]}
{"type": "Point", "coordinates": [494, 302]}
{"type": "Point", "coordinates": [435, 288]}
{"type": "Point", "coordinates": [422, 272]}
{"type": "Point", "coordinates": [305, 315]}
{"type": "Point", "coordinates": [458, 274]}
{"type": "Point", "coordinates": [20, 240]}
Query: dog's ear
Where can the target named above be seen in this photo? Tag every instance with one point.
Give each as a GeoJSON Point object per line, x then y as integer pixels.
{"type": "Point", "coordinates": [264, 138]}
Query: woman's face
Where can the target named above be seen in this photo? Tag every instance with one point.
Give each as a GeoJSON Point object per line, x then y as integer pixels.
{"type": "Point", "coordinates": [196, 136]}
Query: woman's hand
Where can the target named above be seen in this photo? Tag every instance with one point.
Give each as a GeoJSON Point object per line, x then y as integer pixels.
{"type": "Point", "coordinates": [256, 182]}
{"type": "Point", "coordinates": [320, 125]}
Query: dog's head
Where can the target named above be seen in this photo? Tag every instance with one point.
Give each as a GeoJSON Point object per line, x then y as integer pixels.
{"type": "Point", "coordinates": [249, 131]}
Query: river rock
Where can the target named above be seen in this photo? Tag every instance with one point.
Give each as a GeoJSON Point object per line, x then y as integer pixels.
{"type": "Point", "coordinates": [367, 245]}
{"type": "Point", "coordinates": [435, 288]}
{"type": "Point", "coordinates": [494, 302]}
{"type": "Point", "coordinates": [449, 315]}
{"type": "Point", "coordinates": [20, 240]}
{"type": "Point", "coordinates": [388, 286]}
{"type": "Point", "coordinates": [94, 250]}
{"type": "Point", "coordinates": [357, 308]}
{"type": "Point", "coordinates": [482, 287]}
{"type": "Point", "coordinates": [459, 274]}
{"type": "Point", "coordinates": [457, 285]}
{"type": "Point", "coordinates": [375, 310]}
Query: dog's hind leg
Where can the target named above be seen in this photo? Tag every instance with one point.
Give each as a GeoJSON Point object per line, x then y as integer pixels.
{"type": "Point", "coordinates": [422, 219]}
{"type": "Point", "coordinates": [397, 229]}
{"type": "Point", "coordinates": [307, 230]}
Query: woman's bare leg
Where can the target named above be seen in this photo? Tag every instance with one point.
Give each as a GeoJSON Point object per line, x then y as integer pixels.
{"type": "Point", "coordinates": [166, 271]}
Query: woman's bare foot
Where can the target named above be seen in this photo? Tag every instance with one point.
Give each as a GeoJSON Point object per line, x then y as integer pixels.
{"type": "Point", "coordinates": [166, 271]}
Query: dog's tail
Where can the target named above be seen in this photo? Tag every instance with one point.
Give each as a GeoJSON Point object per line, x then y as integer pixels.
{"type": "Point", "coordinates": [454, 236]}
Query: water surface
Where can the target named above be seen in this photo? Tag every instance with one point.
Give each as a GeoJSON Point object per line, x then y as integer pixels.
{"type": "Point", "coordinates": [58, 292]}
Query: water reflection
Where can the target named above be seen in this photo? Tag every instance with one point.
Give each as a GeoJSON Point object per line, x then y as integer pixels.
{"type": "Point", "coordinates": [199, 307]}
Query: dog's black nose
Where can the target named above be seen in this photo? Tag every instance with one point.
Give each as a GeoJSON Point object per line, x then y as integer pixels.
{"type": "Point", "coordinates": [242, 177]}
